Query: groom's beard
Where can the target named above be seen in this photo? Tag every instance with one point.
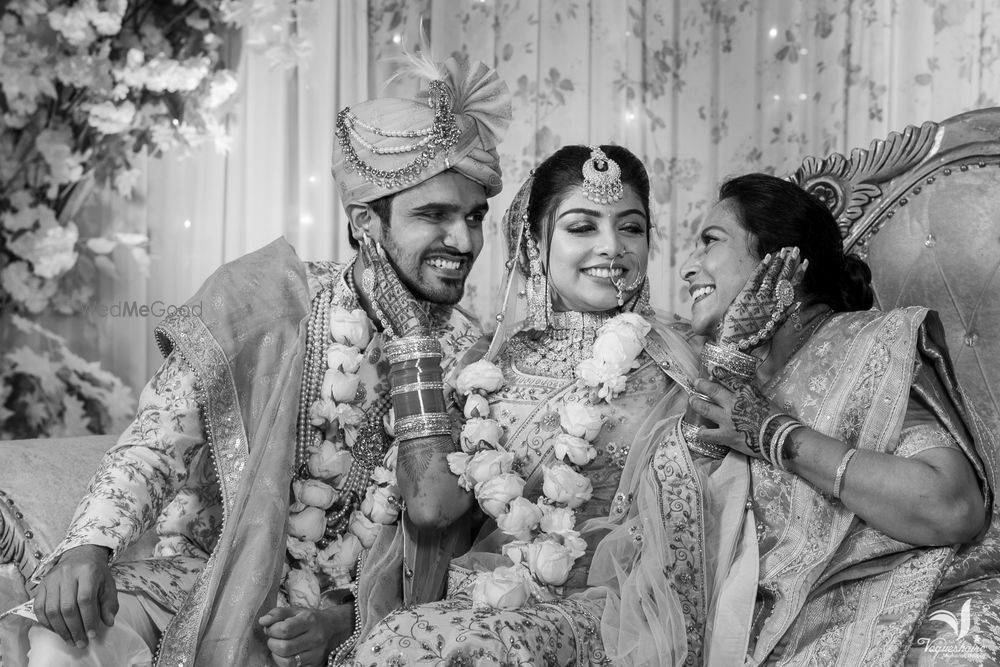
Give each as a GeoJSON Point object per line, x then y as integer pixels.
{"type": "Point", "coordinates": [424, 281]}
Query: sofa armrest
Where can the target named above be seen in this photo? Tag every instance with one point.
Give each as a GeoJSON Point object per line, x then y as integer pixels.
{"type": "Point", "coordinates": [41, 483]}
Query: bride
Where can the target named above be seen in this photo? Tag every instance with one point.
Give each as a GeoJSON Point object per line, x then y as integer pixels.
{"type": "Point", "coordinates": [563, 415]}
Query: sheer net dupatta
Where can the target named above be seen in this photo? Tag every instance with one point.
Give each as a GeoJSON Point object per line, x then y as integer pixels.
{"type": "Point", "coordinates": [677, 564]}
{"type": "Point", "coordinates": [524, 302]}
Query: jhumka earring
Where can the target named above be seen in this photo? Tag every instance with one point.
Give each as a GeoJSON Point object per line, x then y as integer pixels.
{"type": "Point", "coordinates": [538, 287]}
{"type": "Point", "coordinates": [602, 178]}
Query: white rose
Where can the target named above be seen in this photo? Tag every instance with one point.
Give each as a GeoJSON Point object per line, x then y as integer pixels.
{"type": "Point", "coordinates": [549, 561]}
{"type": "Point", "coordinates": [514, 551]}
{"type": "Point", "coordinates": [340, 387]}
{"type": "Point", "coordinates": [627, 325]}
{"type": "Point", "coordinates": [314, 493]}
{"type": "Point", "coordinates": [477, 431]}
{"type": "Point", "coordinates": [613, 351]}
{"type": "Point", "coordinates": [364, 529]}
{"type": "Point", "coordinates": [488, 464]}
{"type": "Point", "coordinates": [347, 414]}
{"type": "Point", "coordinates": [308, 524]}
{"type": "Point", "coordinates": [329, 461]}
{"type": "Point", "coordinates": [582, 420]}
{"type": "Point", "coordinates": [556, 520]}
{"type": "Point", "coordinates": [476, 406]}
{"type": "Point", "coordinates": [521, 518]}
{"type": "Point", "coordinates": [344, 358]}
{"type": "Point", "coordinates": [482, 375]}
{"type": "Point", "coordinates": [381, 504]}
{"type": "Point", "coordinates": [577, 545]}
{"type": "Point", "coordinates": [503, 588]}
{"type": "Point", "coordinates": [322, 411]}
{"type": "Point", "coordinates": [300, 549]}
{"type": "Point", "coordinates": [494, 494]}
{"type": "Point", "coordinates": [340, 556]}
{"type": "Point", "coordinates": [389, 461]}
{"type": "Point", "coordinates": [593, 372]}
{"type": "Point", "coordinates": [564, 485]}
{"type": "Point", "coordinates": [303, 588]}
{"type": "Point", "coordinates": [382, 475]}
{"type": "Point", "coordinates": [350, 327]}
{"type": "Point", "coordinates": [457, 463]}
{"type": "Point", "coordinates": [577, 450]}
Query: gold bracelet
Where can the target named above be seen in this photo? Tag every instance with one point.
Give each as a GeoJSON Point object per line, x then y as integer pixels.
{"type": "Point", "coordinates": [411, 347]}
{"type": "Point", "coordinates": [694, 442]}
{"type": "Point", "coordinates": [422, 425]}
{"type": "Point", "coordinates": [838, 480]}
{"type": "Point", "coordinates": [730, 358]}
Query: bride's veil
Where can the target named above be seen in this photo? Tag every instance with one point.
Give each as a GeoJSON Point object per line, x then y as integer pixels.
{"type": "Point", "coordinates": [514, 314]}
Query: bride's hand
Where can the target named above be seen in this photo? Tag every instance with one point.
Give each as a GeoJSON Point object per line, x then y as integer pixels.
{"type": "Point", "coordinates": [396, 308]}
{"type": "Point", "coordinates": [764, 302]}
{"type": "Point", "coordinates": [737, 415]}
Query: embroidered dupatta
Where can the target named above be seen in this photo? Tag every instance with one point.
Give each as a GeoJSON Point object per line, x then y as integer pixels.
{"type": "Point", "coordinates": [246, 350]}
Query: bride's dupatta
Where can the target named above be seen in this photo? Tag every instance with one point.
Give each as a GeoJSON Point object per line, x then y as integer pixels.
{"type": "Point", "coordinates": [677, 564]}
{"type": "Point", "coordinates": [246, 351]}
{"type": "Point", "coordinates": [832, 589]}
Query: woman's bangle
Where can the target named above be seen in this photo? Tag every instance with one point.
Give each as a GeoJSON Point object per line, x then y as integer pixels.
{"type": "Point", "coordinates": [690, 434]}
{"type": "Point", "coordinates": [778, 440]}
{"type": "Point", "coordinates": [730, 358]}
{"type": "Point", "coordinates": [838, 480]}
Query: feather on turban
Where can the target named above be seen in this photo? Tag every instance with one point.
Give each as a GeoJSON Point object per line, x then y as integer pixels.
{"type": "Point", "coordinates": [387, 145]}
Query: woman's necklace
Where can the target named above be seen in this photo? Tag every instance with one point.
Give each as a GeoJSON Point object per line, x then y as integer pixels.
{"type": "Point", "coordinates": [558, 350]}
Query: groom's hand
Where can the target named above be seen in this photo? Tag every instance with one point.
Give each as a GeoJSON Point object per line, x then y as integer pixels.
{"type": "Point", "coordinates": [309, 634]}
{"type": "Point", "coordinates": [399, 311]}
{"type": "Point", "coordinates": [77, 594]}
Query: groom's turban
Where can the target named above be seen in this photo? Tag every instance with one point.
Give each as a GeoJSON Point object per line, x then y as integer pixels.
{"type": "Point", "coordinates": [387, 145]}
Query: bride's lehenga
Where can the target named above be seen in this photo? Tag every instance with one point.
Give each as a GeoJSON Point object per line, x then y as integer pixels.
{"type": "Point", "coordinates": [539, 377]}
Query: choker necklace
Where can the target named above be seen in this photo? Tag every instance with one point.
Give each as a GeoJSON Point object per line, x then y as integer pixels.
{"type": "Point", "coordinates": [567, 340]}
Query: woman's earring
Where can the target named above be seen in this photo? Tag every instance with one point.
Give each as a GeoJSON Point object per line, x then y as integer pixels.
{"type": "Point", "coordinates": [538, 286]}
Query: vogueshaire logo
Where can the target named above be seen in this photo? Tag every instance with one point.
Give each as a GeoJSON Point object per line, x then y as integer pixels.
{"type": "Point", "coordinates": [135, 309]}
{"type": "Point", "coordinates": [960, 625]}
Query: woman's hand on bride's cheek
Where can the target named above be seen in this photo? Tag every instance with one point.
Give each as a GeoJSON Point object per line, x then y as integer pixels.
{"type": "Point", "coordinates": [765, 300]}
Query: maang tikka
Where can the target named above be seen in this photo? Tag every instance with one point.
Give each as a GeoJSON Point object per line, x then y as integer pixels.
{"type": "Point", "coordinates": [602, 178]}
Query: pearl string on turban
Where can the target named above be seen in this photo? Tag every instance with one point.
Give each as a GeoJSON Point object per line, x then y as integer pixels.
{"type": "Point", "coordinates": [391, 144]}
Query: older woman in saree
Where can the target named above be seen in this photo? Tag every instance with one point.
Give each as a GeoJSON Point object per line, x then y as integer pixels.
{"type": "Point", "coordinates": [864, 459]}
{"type": "Point", "coordinates": [582, 372]}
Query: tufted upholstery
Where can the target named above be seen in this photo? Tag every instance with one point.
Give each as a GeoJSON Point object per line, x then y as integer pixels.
{"type": "Point", "coordinates": [923, 207]}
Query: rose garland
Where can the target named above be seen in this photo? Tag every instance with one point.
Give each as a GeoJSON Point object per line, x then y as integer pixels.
{"type": "Point", "coordinates": [546, 544]}
{"type": "Point", "coordinates": [317, 566]}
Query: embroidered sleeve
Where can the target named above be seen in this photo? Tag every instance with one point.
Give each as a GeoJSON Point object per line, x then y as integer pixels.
{"type": "Point", "coordinates": [143, 470]}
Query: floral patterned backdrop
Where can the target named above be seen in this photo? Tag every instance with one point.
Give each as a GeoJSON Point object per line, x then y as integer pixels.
{"type": "Point", "coordinates": [705, 89]}
{"type": "Point", "coordinates": [700, 89]}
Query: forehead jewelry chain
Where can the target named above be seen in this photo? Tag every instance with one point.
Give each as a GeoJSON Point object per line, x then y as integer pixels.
{"type": "Point", "coordinates": [602, 178]}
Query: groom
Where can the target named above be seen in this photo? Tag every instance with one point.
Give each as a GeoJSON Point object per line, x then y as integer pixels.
{"type": "Point", "coordinates": [228, 424]}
